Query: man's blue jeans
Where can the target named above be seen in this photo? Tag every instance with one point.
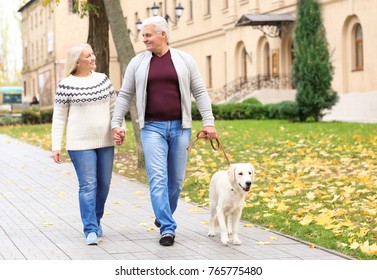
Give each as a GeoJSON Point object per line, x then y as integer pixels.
{"type": "Point", "coordinates": [165, 151]}
{"type": "Point", "coordinates": [94, 170]}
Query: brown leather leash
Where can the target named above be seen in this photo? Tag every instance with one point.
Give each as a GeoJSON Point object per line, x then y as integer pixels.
{"type": "Point", "coordinates": [202, 135]}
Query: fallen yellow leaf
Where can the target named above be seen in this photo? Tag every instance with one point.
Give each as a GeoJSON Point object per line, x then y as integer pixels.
{"type": "Point", "coordinates": [307, 220]}
{"type": "Point", "coordinates": [263, 242]}
{"type": "Point", "coordinates": [195, 210]}
{"type": "Point", "coordinates": [310, 195]}
{"type": "Point", "coordinates": [248, 225]}
{"type": "Point", "coordinates": [354, 245]}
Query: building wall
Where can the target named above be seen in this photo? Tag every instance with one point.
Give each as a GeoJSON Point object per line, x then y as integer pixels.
{"type": "Point", "coordinates": [214, 34]}
{"type": "Point", "coordinates": [47, 32]}
{"type": "Point", "coordinates": [339, 18]}
{"type": "Point", "coordinates": [231, 57]}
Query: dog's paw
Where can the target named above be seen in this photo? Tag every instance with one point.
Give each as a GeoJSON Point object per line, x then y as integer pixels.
{"type": "Point", "coordinates": [211, 234]}
{"type": "Point", "coordinates": [224, 239]}
{"type": "Point", "coordinates": [237, 241]}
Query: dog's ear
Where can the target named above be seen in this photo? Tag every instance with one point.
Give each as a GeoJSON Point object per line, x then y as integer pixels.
{"type": "Point", "coordinates": [231, 173]}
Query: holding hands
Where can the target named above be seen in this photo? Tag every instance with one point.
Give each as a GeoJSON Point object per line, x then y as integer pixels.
{"type": "Point", "coordinates": [118, 135]}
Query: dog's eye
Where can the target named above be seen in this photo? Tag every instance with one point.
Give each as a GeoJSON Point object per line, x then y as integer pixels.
{"type": "Point", "coordinates": [241, 173]}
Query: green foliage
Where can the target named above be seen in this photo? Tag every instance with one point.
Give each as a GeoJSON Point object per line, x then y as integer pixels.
{"type": "Point", "coordinates": [46, 116]}
{"type": "Point", "coordinates": [312, 69]}
{"type": "Point", "coordinates": [84, 8]}
{"type": "Point", "coordinates": [8, 119]}
{"type": "Point", "coordinates": [252, 101]}
{"type": "Point", "coordinates": [288, 110]}
{"type": "Point", "coordinates": [31, 116]}
{"type": "Point", "coordinates": [251, 109]}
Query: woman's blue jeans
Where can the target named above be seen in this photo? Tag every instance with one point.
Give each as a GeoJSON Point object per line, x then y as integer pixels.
{"type": "Point", "coordinates": [165, 151]}
{"type": "Point", "coordinates": [94, 170]}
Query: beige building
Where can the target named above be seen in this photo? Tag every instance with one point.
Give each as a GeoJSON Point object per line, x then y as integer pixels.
{"type": "Point", "coordinates": [46, 34]}
{"type": "Point", "coordinates": [240, 45]}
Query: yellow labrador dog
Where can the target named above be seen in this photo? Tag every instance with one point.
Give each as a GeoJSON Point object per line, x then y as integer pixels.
{"type": "Point", "coordinates": [227, 193]}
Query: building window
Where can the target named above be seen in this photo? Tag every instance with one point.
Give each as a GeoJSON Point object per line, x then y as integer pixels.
{"type": "Point", "coordinates": [32, 55]}
{"type": "Point", "coordinates": [359, 55]}
{"type": "Point", "coordinates": [42, 50]}
{"type": "Point", "coordinates": [209, 71]}
{"type": "Point", "coordinates": [191, 16]}
{"type": "Point", "coordinates": [26, 58]}
{"type": "Point", "coordinates": [244, 65]}
{"type": "Point", "coordinates": [37, 53]}
{"type": "Point", "coordinates": [267, 61]}
{"type": "Point", "coordinates": [208, 7]}
{"type": "Point", "coordinates": [225, 4]}
{"type": "Point", "coordinates": [275, 63]}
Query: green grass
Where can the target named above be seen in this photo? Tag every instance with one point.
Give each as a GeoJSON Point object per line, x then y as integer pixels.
{"type": "Point", "coordinates": [314, 181]}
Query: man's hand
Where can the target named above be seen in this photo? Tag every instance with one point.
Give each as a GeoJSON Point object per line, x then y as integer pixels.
{"type": "Point", "coordinates": [211, 133]}
{"type": "Point", "coordinates": [118, 135]}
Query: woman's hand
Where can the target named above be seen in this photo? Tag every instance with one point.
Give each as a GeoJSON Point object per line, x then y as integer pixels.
{"type": "Point", "coordinates": [57, 156]}
{"type": "Point", "coordinates": [118, 135]}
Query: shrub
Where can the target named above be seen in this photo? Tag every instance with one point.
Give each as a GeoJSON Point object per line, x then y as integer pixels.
{"type": "Point", "coordinates": [46, 116]}
{"type": "Point", "coordinates": [288, 110]}
{"type": "Point", "coordinates": [251, 109]}
{"type": "Point", "coordinates": [252, 101]}
{"type": "Point", "coordinates": [312, 67]}
{"type": "Point", "coordinates": [272, 111]}
{"type": "Point", "coordinates": [195, 112]}
{"type": "Point", "coordinates": [31, 116]}
{"type": "Point", "coordinates": [9, 120]}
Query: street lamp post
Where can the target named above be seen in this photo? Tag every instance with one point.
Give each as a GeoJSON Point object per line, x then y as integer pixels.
{"type": "Point", "coordinates": [138, 28]}
{"type": "Point", "coordinates": [155, 11]}
{"type": "Point", "coordinates": [178, 12]}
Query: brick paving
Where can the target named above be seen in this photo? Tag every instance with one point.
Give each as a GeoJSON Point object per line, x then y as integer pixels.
{"type": "Point", "coordinates": [39, 220]}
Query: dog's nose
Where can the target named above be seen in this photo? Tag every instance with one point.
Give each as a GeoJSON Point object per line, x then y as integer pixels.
{"type": "Point", "coordinates": [248, 183]}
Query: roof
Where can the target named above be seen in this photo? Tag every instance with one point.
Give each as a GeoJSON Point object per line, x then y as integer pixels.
{"type": "Point", "coordinates": [11, 89]}
{"type": "Point", "coordinates": [264, 19]}
{"type": "Point", "coordinates": [26, 5]}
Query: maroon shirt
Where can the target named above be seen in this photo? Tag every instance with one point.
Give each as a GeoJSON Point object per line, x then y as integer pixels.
{"type": "Point", "coordinates": [163, 95]}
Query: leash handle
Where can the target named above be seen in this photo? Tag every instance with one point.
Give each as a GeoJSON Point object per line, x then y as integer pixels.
{"type": "Point", "coordinates": [202, 135]}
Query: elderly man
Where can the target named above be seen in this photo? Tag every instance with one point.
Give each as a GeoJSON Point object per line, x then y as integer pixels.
{"type": "Point", "coordinates": [163, 79]}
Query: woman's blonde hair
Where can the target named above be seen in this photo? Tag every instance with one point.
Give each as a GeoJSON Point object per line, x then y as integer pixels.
{"type": "Point", "coordinates": [73, 56]}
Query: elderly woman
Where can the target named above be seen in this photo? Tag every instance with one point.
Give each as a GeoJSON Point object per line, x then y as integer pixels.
{"type": "Point", "coordinates": [84, 104]}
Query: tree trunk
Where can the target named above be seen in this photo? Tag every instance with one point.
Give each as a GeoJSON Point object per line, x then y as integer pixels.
{"type": "Point", "coordinates": [125, 53]}
{"type": "Point", "coordinates": [98, 36]}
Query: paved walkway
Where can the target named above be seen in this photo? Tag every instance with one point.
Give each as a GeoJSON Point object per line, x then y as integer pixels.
{"type": "Point", "coordinates": [39, 220]}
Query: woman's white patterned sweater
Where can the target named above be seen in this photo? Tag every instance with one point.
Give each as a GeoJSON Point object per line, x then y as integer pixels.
{"type": "Point", "coordinates": [84, 106]}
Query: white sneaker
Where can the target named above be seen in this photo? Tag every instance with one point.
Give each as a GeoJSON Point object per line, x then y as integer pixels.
{"type": "Point", "coordinates": [92, 239]}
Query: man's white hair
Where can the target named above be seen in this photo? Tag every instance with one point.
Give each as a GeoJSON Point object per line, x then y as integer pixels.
{"type": "Point", "coordinates": [160, 23]}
